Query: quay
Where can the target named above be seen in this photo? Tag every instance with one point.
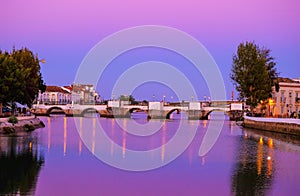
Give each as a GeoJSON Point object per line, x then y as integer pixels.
{"type": "Point", "coordinates": [24, 124]}
{"type": "Point", "coordinates": [279, 125]}
{"type": "Point", "coordinates": [196, 110]}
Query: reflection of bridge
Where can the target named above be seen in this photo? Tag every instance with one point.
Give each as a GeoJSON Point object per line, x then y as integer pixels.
{"type": "Point", "coordinates": [194, 110]}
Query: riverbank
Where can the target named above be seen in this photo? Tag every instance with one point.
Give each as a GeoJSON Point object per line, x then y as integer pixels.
{"type": "Point", "coordinates": [279, 125]}
{"type": "Point", "coordinates": [25, 124]}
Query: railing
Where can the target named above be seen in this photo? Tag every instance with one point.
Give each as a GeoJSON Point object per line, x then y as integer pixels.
{"type": "Point", "coordinates": [54, 102]}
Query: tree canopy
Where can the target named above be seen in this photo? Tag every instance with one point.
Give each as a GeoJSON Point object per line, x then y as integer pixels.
{"type": "Point", "coordinates": [253, 73]}
{"type": "Point", "coordinates": [20, 77]}
{"type": "Point", "coordinates": [127, 98]}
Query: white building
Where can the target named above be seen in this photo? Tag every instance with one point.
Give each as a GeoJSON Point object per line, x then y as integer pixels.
{"type": "Point", "coordinates": [54, 95]}
{"type": "Point", "coordinates": [287, 100]}
{"type": "Point", "coordinates": [75, 93]}
{"type": "Point", "coordinates": [82, 93]}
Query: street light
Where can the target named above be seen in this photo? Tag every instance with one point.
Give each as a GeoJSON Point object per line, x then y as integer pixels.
{"type": "Point", "coordinates": [42, 61]}
{"type": "Point", "coordinates": [270, 105]}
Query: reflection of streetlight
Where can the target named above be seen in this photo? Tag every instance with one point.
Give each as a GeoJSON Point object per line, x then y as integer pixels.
{"type": "Point", "coordinates": [204, 97]}
{"type": "Point", "coordinates": [192, 97]}
{"type": "Point", "coordinates": [164, 98]}
{"type": "Point", "coordinates": [153, 97]}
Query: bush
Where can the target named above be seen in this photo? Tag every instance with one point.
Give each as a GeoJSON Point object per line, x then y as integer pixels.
{"type": "Point", "coordinates": [8, 130]}
{"type": "Point", "coordinates": [29, 127]}
{"type": "Point", "coordinates": [13, 120]}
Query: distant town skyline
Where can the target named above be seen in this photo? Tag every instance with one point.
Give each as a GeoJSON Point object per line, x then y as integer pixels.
{"type": "Point", "coordinates": [63, 32]}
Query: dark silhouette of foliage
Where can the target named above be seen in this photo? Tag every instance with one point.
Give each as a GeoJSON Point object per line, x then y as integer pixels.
{"type": "Point", "coordinates": [20, 77]}
{"type": "Point", "coordinates": [253, 73]}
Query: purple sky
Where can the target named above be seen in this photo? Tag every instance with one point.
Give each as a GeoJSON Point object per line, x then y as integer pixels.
{"type": "Point", "coordinates": [63, 31]}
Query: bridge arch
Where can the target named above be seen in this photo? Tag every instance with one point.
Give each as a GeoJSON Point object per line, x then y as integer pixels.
{"type": "Point", "coordinates": [60, 110]}
{"type": "Point", "coordinates": [135, 109]}
{"type": "Point", "coordinates": [171, 111]}
{"type": "Point", "coordinates": [208, 112]}
{"type": "Point", "coordinates": [86, 110]}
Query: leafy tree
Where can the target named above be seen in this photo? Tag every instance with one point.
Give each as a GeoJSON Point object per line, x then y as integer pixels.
{"type": "Point", "coordinates": [253, 73]}
{"type": "Point", "coordinates": [10, 79]}
{"type": "Point", "coordinates": [127, 98]}
{"type": "Point", "coordinates": [29, 64]}
{"type": "Point", "coordinates": [20, 77]}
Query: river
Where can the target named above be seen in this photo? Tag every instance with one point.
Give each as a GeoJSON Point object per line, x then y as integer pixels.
{"type": "Point", "coordinates": [71, 157]}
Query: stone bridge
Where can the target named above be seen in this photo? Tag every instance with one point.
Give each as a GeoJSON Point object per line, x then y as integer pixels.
{"type": "Point", "coordinates": [154, 110]}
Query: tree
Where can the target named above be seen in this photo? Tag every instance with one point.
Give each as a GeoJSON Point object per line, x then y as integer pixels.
{"type": "Point", "coordinates": [20, 77]}
{"type": "Point", "coordinates": [127, 98]}
{"type": "Point", "coordinates": [30, 66]}
{"type": "Point", "coordinates": [253, 73]}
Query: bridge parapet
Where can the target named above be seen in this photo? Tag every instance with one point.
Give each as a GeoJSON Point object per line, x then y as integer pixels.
{"type": "Point", "coordinates": [194, 110]}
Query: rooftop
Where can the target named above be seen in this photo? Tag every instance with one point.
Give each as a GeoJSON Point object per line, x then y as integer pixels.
{"type": "Point", "coordinates": [55, 89]}
{"type": "Point", "coordinates": [287, 80]}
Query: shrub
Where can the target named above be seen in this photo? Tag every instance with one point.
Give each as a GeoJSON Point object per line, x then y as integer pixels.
{"type": "Point", "coordinates": [29, 127]}
{"type": "Point", "coordinates": [8, 130]}
{"type": "Point", "coordinates": [13, 120]}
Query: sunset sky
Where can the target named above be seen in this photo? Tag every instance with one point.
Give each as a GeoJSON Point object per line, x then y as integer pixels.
{"type": "Point", "coordinates": [64, 31]}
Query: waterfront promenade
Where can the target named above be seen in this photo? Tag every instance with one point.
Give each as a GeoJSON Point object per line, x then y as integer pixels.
{"type": "Point", "coordinates": [19, 118]}
{"type": "Point", "coordinates": [280, 125]}
{"type": "Point", "coordinates": [25, 123]}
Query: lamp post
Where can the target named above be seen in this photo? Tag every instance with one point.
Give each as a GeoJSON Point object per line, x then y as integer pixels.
{"type": "Point", "coordinates": [270, 104]}
{"type": "Point", "coordinates": [42, 61]}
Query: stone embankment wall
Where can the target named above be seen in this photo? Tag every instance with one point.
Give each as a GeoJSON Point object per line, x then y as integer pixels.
{"type": "Point", "coordinates": [279, 125]}
{"type": "Point", "coordinates": [25, 124]}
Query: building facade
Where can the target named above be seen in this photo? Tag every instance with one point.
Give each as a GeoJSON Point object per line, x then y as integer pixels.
{"type": "Point", "coordinates": [73, 94]}
{"type": "Point", "coordinates": [54, 95]}
{"type": "Point", "coordinates": [82, 93]}
{"type": "Point", "coordinates": [285, 102]}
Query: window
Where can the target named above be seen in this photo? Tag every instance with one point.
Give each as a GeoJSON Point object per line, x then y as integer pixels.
{"type": "Point", "coordinates": [282, 99]}
{"type": "Point", "coordinates": [282, 108]}
{"type": "Point", "coordinates": [290, 94]}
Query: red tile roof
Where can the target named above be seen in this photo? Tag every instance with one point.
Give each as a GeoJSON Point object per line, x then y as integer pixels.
{"type": "Point", "coordinates": [287, 80]}
{"type": "Point", "coordinates": [55, 89]}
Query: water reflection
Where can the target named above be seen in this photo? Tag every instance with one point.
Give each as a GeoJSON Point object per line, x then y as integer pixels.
{"type": "Point", "coordinates": [65, 136]}
{"type": "Point", "coordinates": [242, 162]}
{"type": "Point", "coordinates": [80, 134]}
{"type": "Point", "coordinates": [253, 172]}
{"type": "Point", "coordinates": [124, 139]}
{"type": "Point", "coordinates": [163, 142]}
{"type": "Point", "coordinates": [49, 133]}
{"type": "Point", "coordinates": [20, 164]}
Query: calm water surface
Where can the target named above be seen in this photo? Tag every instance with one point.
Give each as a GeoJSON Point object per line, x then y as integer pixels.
{"type": "Point", "coordinates": [55, 161]}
